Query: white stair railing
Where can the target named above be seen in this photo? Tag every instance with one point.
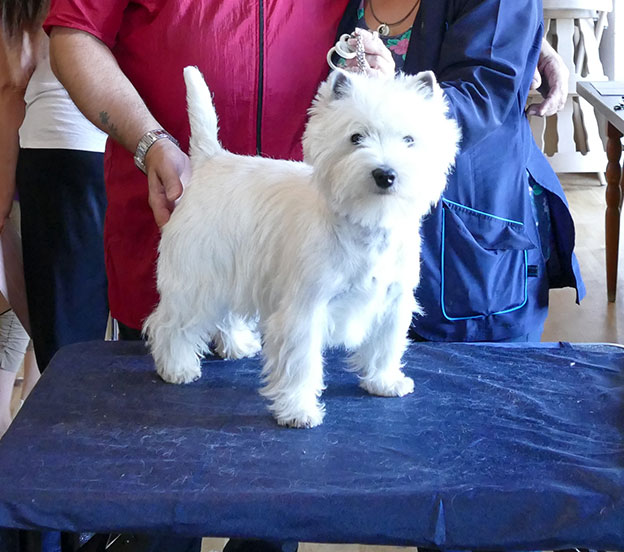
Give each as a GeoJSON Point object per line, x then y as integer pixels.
{"type": "Point", "coordinates": [571, 138]}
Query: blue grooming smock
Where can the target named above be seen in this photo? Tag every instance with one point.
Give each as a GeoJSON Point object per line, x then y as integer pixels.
{"type": "Point", "coordinates": [483, 273]}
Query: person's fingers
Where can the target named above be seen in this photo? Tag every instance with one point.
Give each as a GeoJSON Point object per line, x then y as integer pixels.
{"type": "Point", "coordinates": [554, 87]}
{"type": "Point", "coordinates": [185, 178]}
{"type": "Point", "coordinates": [380, 67]}
{"type": "Point", "coordinates": [553, 101]}
{"type": "Point", "coordinates": [555, 77]}
{"type": "Point", "coordinates": [372, 44]}
{"type": "Point", "coordinates": [558, 87]}
{"type": "Point", "coordinates": [376, 65]}
{"type": "Point", "coordinates": [160, 205]}
{"type": "Point", "coordinates": [168, 168]}
{"type": "Point", "coordinates": [537, 80]}
{"type": "Point", "coordinates": [170, 180]}
{"type": "Point", "coordinates": [352, 65]}
{"type": "Point", "coordinates": [372, 61]}
{"type": "Point", "coordinates": [164, 188]}
{"type": "Point", "coordinates": [535, 110]}
{"type": "Point", "coordinates": [549, 106]}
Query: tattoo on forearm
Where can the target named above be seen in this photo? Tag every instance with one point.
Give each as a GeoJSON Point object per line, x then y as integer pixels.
{"type": "Point", "coordinates": [110, 127]}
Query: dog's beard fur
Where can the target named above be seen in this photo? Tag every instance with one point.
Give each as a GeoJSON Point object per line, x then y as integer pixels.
{"type": "Point", "coordinates": [308, 255]}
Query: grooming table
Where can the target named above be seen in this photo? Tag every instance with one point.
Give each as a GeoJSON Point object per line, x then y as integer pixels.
{"type": "Point", "coordinates": [500, 447]}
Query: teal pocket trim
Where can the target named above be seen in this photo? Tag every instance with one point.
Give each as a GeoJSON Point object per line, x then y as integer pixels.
{"type": "Point", "coordinates": [449, 202]}
{"type": "Point", "coordinates": [442, 265]}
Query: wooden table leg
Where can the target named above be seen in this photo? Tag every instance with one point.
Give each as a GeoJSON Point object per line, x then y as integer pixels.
{"type": "Point", "coordinates": [612, 217]}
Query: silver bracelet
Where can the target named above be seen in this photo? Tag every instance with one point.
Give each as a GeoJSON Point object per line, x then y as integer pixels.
{"type": "Point", "coordinates": [146, 142]}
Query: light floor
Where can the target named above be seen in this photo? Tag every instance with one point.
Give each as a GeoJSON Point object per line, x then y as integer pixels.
{"type": "Point", "coordinates": [595, 320]}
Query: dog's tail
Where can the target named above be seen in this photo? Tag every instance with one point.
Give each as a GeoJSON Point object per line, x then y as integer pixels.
{"type": "Point", "coordinates": [202, 114]}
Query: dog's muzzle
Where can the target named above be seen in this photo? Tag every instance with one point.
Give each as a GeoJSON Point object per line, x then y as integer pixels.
{"type": "Point", "coordinates": [384, 177]}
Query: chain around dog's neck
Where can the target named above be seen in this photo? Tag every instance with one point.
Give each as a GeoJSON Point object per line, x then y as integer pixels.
{"type": "Point", "coordinates": [384, 26]}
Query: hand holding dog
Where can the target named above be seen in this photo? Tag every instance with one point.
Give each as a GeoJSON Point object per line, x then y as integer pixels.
{"type": "Point", "coordinates": [168, 171]}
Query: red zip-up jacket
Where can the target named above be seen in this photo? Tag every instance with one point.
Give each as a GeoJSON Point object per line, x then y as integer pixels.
{"type": "Point", "coordinates": [263, 61]}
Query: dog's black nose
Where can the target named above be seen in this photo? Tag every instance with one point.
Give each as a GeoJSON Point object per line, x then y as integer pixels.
{"type": "Point", "coordinates": [384, 177]}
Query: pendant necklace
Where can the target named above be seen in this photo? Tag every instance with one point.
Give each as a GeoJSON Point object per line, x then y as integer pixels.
{"type": "Point", "coordinates": [384, 27]}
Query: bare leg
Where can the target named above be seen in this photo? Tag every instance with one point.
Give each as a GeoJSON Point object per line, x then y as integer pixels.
{"type": "Point", "coordinates": [13, 343]}
{"type": "Point", "coordinates": [31, 372]}
{"type": "Point", "coordinates": [7, 381]}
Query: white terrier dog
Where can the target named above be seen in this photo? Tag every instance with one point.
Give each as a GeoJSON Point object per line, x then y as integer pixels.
{"type": "Point", "coordinates": [316, 254]}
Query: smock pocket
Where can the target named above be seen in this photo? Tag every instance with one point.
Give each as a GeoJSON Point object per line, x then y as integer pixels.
{"type": "Point", "coordinates": [484, 264]}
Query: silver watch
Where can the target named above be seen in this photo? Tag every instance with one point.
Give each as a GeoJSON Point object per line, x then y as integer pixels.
{"type": "Point", "coordinates": [146, 142]}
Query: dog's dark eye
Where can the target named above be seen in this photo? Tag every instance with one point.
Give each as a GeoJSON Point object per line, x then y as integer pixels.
{"type": "Point", "coordinates": [408, 140]}
{"type": "Point", "coordinates": [356, 139]}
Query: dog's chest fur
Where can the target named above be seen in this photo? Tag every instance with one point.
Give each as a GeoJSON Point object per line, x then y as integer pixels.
{"type": "Point", "coordinates": [375, 271]}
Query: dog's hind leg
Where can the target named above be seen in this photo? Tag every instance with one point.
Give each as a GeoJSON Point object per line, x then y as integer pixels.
{"type": "Point", "coordinates": [236, 338]}
{"type": "Point", "coordinates": [176, 346]}
{"type": "Point", "coordinates": [378, 359]}
{"type": "Point", "coordinates": [293, 366]}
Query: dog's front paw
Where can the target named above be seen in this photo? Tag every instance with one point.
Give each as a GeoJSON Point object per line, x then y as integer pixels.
{"type": "Point", "coordinates": [179, 374]}
{"type": "Point", "coordinates": [303, 419]}
{"type": "Point", "coordinates": [384, 387]}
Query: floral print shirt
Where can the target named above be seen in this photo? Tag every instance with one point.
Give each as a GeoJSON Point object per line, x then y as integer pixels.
{"type": "Point", "coordinates": [396, 44]}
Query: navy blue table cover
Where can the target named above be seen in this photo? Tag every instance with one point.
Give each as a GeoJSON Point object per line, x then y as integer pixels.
{"type": "Point", "coordinates": [514, 447]}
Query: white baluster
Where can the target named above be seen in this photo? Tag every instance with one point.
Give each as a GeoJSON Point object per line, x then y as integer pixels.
{"type": "Point", "coordinates": [575, 29]}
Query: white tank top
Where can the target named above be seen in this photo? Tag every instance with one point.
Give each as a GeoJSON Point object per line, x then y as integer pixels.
{"type": "Point", "coordinates": [52, 120]}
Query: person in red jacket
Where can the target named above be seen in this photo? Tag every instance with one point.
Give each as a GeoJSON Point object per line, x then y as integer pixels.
{"type": "Point", "coordinates": [122, 64]}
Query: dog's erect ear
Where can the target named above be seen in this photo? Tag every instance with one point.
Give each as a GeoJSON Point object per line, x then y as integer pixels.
{"type": "Point", "coordinates": [425, 83]}
{"type": "Point", "coordinates": [341, 84]}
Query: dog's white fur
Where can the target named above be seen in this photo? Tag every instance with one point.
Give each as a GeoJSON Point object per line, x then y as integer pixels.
{"type": "Point", "coordinates": [315, 253]}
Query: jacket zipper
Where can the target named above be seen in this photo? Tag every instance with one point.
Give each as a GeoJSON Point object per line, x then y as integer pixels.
{"type": "Point", "coordinates": [260, 79]}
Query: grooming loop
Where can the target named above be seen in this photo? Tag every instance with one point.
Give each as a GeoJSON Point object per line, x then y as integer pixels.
{"type": "Point", "coordinates": [346, 51]}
